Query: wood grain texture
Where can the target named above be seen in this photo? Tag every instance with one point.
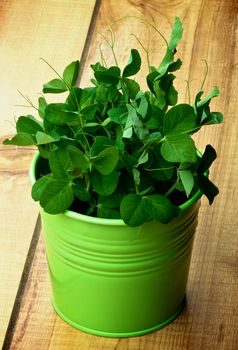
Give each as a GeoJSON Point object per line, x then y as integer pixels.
{"type": "Point", "coordinates": [55, 30]}
{"type": "Point", "coordinates": [210, 320]}
{"type": "Point", "coordinates": [18, 218]}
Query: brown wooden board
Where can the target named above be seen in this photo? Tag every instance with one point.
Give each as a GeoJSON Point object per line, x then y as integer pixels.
{"type": "Point", "coordinates": [56, 31]}
{"type": "Point", "coordinates": [210, 319]}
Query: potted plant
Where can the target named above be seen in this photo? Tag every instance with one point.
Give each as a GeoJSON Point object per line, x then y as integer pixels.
{"type": "Point", "coordinates": [119, 180]}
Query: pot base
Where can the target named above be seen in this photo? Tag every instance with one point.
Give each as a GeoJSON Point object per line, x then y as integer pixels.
{"type": "Point", "coordinates": [121, 334]}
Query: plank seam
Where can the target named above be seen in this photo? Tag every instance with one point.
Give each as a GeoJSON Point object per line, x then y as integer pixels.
{"type": "Point", "coordinates": [21, 289]}
{"type": "Point", "coordinates": [88, 39]}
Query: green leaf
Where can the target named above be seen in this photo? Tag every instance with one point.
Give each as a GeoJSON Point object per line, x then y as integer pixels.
{"type": "Point", "coordinates": [129, 162]}
{"type": "Point", "coordinates": [97, 66]}
{"type": "Point", "coordinates": [88, 95]}
{"type": "Point", "coordinates": [88, 113]}
{"type": "Point", "coordinates": [21, 139]}
{"type": "Point", "coordinates": [168, 59]}
{"type": "Point", "coordinates": [160, 208]}
{"type": "Point", "coordinates": [143, 106]}
{"type": "Point", "coordinates": [44, 151]}
{"type": "Point", "coordinates": [151, 79]}
{"type": "Point", "coordinates": [165, 92]}
{"type": "Point", "coordinates": [159, 168]}
{"type": "Point", "coordinates": [80, 189]}
{"type": "Point", "coordinates": [136, 176]}
{"type": "Point", "coordinates": [133, 87]}
{"type": "Point", "coordinates": [132, 119]}
{"type": "Point", "coordinates": [74, 98]}
{"type": "Point", "coordinates": [187, 179]}
{"type": "Point", "coordinates": [175, 65]}
{"type": "Point", "coordinates": [132, 210]}
{"type": "Point", "coordinates": [57, 196]}
{"type": "Point", "coordinates": [127, 133]}
{"type": "Point", "coordinates": [213, 118]}
{"type": "Point", "coordinates": [28, 124]}
{"type": "Point", "coordinates": [141, 132]}
{"type": "Point", "coordinates": [43, 138]}
{"type": "Point", "coordinates": [215, 92]}
{"type": "Point", "coordinates": [153, 138]}
{"type": "Point", "coordinates": [105, 184]}
{"type": "Point", "coordinates": [176, 34]}
{"type": "Point", "coordinates": [106, 161]}
{"type": "Point", "coordinates": [171, 95]}
{"type": "Point", "coordinates": [102, 93]}
{"type": "Point", "coordinates": [60, 163]}
{"type": "Point", "coordinates": [100, 143]}
{"type": "Point", "coordinates": [207, 187]}
{"type": "Point", "coordinates": [179, 119]}
{"type": "Point", "coordinates": [156, 120]}
{"type": "Point", "coordinates": [118, 115]}
{"type": "Point", "coordinates": [78, 158]}
{"type": "Point", "coordinates": [207, 159]}
{"type": "Point", "coordinates": [58, 114]}
{"type": "Point", "coordinates": [179, 148]}
{"type": "Point", "coordinates": [41, 106]}
{"type": "Point", "coordinates": [54, 86]}
{"type": "Point", "coordinates": [112, 93]}
{"type": "Point", "coordinates": [198, 98]}
{"type": "Point", "coordinates": [39, 186]}
{"type": "Point", "coordinates": [160, 95]}
{"type": "Point", "coordinates": [70, 74]}
{"type": "Point", "coordinates": [133, 65]}
{"type": "Point", "coordinates": [143, 158]}
{"type": "Point", "coordinates": [108, 76]}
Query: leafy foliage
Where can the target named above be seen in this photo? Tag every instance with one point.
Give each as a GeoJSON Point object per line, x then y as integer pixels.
{"type": "Point", "coordinates": [125, 153]}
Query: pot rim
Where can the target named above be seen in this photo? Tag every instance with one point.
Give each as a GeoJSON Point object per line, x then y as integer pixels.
{"type": "Point", "coordinates": [102, 221]}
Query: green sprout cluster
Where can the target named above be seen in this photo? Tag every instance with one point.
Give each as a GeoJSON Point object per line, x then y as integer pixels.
{"type": "Point", "coordinates": [117, 151]}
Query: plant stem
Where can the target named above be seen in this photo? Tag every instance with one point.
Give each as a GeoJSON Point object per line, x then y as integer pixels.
{"type": "Point", "coordinates": [188, 89]}
{"type": "Point", "coordinates": [124, 90]}
{"type": "Point", "coordinates": [206, 72]}
{"type": "Point", "coordinates": [148, 23]}
{"type": "Point", "coordinates": [136, 188]}
{"type": "Point", "coordinates": [105, 109]}
{"type": "Point", "coordinates": [146, 50]}
{"type": "Point", "coordinates": [87, 177]}
{"type": "Point", "coordinates": [28, 100]}
{"type": "Point", "coordinates": [170, 190]}
{"type": "Point", "coordinates": [111, 45]}
{"type": "Point", "coordinates": [61, 78]}
{"type": "Point", "coordinates": [102, 57]}
{"type": "Point", "coordinates": [160, 169]}
{"type": "Point", "coordinates": [81, 121]}
{"type": "Point", "coordinates": [114, 55]}
{"type": "Point", "coordinates": [104, 128]}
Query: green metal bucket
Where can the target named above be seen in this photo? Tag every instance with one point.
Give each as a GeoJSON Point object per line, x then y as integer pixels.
{"type": "Point", "coordinates": [113, 280]}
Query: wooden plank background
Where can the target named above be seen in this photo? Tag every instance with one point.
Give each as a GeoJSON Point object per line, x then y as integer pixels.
{"type": "Point", "coordinates": [210, 320]}
{"type": "Point", "coordinates": [56, 31]}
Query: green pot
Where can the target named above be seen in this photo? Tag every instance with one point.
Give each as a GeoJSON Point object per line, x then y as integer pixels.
{"type": "Point", "coordinates": [113, 280]}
